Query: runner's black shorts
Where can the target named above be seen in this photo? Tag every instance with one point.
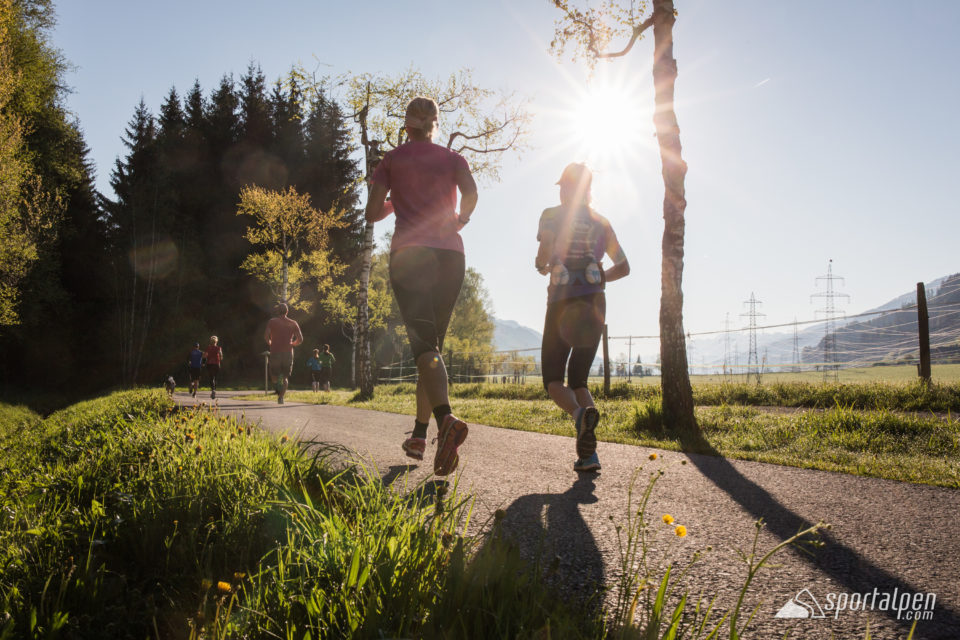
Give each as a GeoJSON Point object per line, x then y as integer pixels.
{"type": "Point", "coordinates": [426, 282]}
{"type": "Point", "coordinates": [195, 373]}
{"type": "Point", "coordinates": [572, 331]}
{"type": "Point", "coordinates": [315, 375]}
{"type": "Point", "coordinates": [323, 376]}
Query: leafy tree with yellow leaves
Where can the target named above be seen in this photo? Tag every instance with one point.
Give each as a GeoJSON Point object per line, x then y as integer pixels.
{"type": "Point", "coordinates": [291, 242]}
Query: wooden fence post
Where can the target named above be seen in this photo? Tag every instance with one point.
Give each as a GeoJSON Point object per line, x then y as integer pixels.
{"type": "Point", "coordinates": [606, 363]}
{"type": "Point", "coordinates": [923, 325]}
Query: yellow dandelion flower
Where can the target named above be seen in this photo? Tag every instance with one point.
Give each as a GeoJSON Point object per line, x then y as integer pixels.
{"type": "Point", "coordinates": [680, 530]}
{"type": "Point", "coordinates": [653, 456]}
{"type": "Point", "coordinates": [668, 518]}
{"type": "Point", "coordinates": [206, 584]}
{"type": "Point", "coordinates": [239, 575]}
{"type": "Point", "coordinates": [284, 438]}
{"type": "Point", "coordinates": [224, 587]}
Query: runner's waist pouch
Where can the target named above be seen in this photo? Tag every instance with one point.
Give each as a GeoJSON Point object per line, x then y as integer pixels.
{"type": "Point", "coordinates": [583, 271]}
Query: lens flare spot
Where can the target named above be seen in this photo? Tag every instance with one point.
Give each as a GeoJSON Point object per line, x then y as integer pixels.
{"type": "Point", "coordinates": [154, 261]}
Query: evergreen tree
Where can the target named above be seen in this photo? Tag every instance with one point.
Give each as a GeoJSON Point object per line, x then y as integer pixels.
{"type": "Point", "coordinates": [286, 106]}
{"type": "Point", "coordinates": [256, 165]}
{"type": "Point", "coordinates": [137, 228]}
{"type": "Point", "coordinates": [56, 206]}
{"type": "Point", "coordinates": [331, 174]}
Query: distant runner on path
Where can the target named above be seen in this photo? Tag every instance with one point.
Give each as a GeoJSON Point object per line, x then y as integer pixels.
{"type": "Point", "coordinates": [282, 334]}
{"type": "Point", "coordinates": [313, 363]}
{"type": "Point", "coordinates": [426, 263]}
{"type": "Point", "coordinates": [214, 357]}
{"type": "Point", "coordinates": [326, 363]}
{"type": "Point", "coordinates": [573, 238]}
{"type": "Point", "coordinates": [195, 364]}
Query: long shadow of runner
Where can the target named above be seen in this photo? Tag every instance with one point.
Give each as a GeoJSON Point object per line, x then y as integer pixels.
{"type": "Point", "coordinates": [835, 559]}
{"type": "Point", "coordinates": [548, 528]}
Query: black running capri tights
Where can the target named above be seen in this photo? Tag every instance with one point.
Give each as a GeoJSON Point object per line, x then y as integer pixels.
{"type": "Point", "coordinates": [571, 334]}
{"type": "Point", "coordinates": [426, 282]}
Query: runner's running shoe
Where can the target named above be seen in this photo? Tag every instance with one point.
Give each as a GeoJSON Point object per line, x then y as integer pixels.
{"type": "Point", "coordinates": [213, 395]}
{"type": "Point", "coordinates": [586, 438]}
{"type": "Point", "coordinates": [414, 447]}
{"type": "Point", "coordinates": [590, 463]}
{"type": "Point", "coordinates": [452, 433]}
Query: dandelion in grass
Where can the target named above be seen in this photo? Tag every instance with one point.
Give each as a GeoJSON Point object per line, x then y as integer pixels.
{"type": "Point", "coordinates": [224, 587]}
{"type": "Point", "coordinates": [680, 530]}
{"type": "Point", "coordinates": [668, 518]}
{"type": "Point", "coordinates": [206, 584]}
{"type": "Point", "coordinates": [199, 448]}
{"type": "Point", "coordinates": [284, 438]}
{"type": "Point", "coordinates": [653, 456]}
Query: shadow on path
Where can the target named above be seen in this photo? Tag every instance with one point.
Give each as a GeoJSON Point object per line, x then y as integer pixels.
{"type": "Point", "coordinates": [854, 572]}
{"type": "Point", "coordinates": [548, 527]}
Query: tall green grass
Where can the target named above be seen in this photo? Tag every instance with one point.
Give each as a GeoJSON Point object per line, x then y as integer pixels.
{"type": "Point", "coordinates": [125, 518]}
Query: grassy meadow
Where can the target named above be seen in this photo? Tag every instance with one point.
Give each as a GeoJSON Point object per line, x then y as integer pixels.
{"type": "Point", "coordinates": [125, 517]}
{"type": "Point", "coordinates": [900, 431]}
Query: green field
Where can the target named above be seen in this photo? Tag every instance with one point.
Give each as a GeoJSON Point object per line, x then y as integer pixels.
{"type": "Point", "coordinates": [941, 373]}
{"type": "Point", "coordinates": [899, 431]}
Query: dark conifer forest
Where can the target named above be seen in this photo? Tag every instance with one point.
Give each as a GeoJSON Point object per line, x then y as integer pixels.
{"type": "Point", "coordinates": [118, 287]}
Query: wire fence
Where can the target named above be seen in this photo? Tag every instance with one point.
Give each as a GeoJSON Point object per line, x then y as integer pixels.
{"type": "Point", "coordinates": [885, 337]}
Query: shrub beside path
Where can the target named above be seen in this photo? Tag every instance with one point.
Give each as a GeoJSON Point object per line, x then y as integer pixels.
{"type": "Point", "coordinates": [885, 535]}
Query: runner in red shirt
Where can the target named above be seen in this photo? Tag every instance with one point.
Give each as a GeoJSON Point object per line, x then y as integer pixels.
{"type": "Point", "coordinates": [426, 263]}
{"type": "Point", "coordinates": [214, 358]}
{"type": "Point", "coordinates": [282, 334]}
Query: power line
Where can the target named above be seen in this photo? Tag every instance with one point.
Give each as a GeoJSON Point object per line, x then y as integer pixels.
{"type": "Point", "coordinates": [829, 310]}
{"type": "Point", "coordinates": [753, 366]}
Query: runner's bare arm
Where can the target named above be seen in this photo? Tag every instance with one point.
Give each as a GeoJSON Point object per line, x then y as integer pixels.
{"type": "Point", "coordinates": [375, 210]}
{"type": "Point", "coordinates": [621, 267]}
{"type": "Point", "coordinates": [542, 262]}
{"type": "Point", "coordinates": [468, 194]}
{"type": "Point", "coordinates": [297, 336]}
{"type": "Point", "coordinates": [266, 335]}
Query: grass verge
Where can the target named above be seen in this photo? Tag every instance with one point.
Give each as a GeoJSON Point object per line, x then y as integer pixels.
{"type": "Point", "coordinates": [124, 518]}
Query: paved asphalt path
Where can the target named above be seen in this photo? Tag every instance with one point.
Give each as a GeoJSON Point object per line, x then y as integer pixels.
{"type": "Point", "coordinates": [885, 535]}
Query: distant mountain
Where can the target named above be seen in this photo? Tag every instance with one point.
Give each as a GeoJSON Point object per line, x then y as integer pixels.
{"type": "Point", "coordinates": [509, 335]}
{"type": "Point", "coordinates": [893, 337]}
{"type": "Point", "coordinates": [888, 337]}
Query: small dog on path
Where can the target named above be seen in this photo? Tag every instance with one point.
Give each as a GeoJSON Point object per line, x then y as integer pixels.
{"type": "Point", "coordinates": [170, 385]}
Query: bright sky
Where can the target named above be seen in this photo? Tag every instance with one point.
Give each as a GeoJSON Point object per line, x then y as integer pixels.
{"type": "Point", "coordinates": [812, 131]}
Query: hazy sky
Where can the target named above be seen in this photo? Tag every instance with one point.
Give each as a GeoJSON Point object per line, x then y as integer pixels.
{"type": "Point", "coordinates": [812, 130]}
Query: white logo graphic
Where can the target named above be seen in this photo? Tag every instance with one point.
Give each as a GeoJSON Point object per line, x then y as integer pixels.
{"type": "Point", "coordinates": [906, 604]}
{"type": "Point", "coordinates": [802, 605]}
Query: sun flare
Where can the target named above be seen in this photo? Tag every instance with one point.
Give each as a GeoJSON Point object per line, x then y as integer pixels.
{"type": "Point", "coordinates": [610, 121]}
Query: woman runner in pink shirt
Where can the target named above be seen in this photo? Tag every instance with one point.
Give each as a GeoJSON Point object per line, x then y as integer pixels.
{"type": "Point", "coordinates": [426, 263]}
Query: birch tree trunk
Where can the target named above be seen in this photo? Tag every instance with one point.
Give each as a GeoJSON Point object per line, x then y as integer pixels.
{"type": "Point", "coordinates": [364, 369]}
{"type": "Point", "coordinates": [361, 345]}
{"type": "Point", "coordinates": [677, 393]}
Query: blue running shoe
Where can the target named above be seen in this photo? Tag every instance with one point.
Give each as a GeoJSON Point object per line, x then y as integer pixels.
{"type": "Point", "coordinates": [591, 463]}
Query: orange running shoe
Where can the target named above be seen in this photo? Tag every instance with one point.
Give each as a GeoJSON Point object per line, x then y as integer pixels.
{"type": "Point", "coordinates": [414, 447]}
{"type": "Point", "coordinates": [452, 433]}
